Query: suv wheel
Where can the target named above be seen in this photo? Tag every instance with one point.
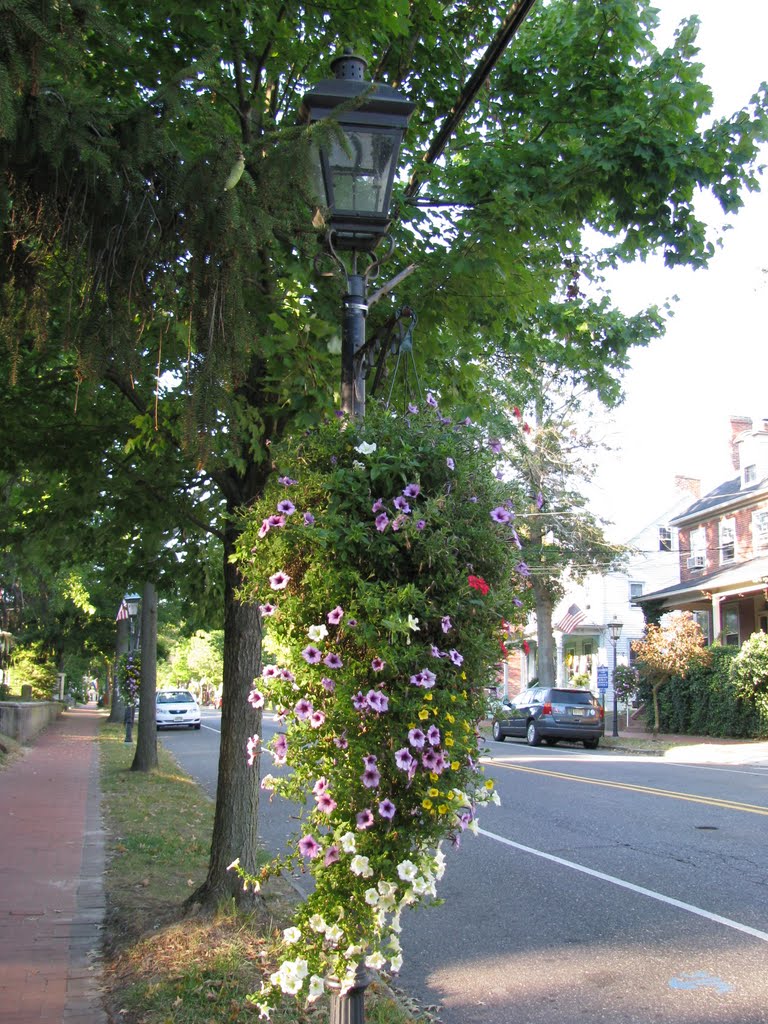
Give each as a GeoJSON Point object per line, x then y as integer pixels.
{"type": "Point", "coordinates": [533, 735]}
{"type": "Point", "coordinates": [591, 744]}
{"type": "Point", "coordinates": [498, 735]}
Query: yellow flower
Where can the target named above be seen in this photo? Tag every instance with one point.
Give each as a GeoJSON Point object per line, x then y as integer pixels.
{"type": "Point", "coordinates": [489, 783]}
{"type": "Point", "coordinates": [433, 776]}
{"type": "Point", "coordinates": [433, 792]}
{"type": "Point", "coordinates": [450, 717]}
{"type": "Point", "coordinates": [464, 676]}
{"type": "Point", "coordinates": [426, 804]}
{"type": "Point", "coordinates": [424, 713]}
{"type": "Point", "coordinates": [450, 794]}
{"type": "Point", "coordinates": [428, 696]}
{"type": "Point", "coordinates": [448, 741]}
{"type": "Point", "coordinates": [454, 698]}
{"type": "Point", "coordinates": [442, 808]}
{"type": "Point", "coordinates": [455, 766]}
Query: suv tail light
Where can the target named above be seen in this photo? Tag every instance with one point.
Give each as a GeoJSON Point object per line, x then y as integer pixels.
{"type": "Point", "coordinates": [601, 712]}
{"type": "Point", "coordinates": [546, 709]}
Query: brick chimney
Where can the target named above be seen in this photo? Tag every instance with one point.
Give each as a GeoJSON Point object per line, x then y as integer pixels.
{"type": "Point", "coordinates": [688, 485]}
{"type": "Point", "coordinates": [739, 424]}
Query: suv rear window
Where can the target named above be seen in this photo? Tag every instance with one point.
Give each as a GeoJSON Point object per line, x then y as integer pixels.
{"type": "Point", "coordinates": [571, 696]}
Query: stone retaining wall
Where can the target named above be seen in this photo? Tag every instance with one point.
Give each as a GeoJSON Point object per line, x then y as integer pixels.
{"type": "Point", "coordinates": [23, 720]}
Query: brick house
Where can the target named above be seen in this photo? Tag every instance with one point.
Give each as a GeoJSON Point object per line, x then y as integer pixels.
{"type": "Point", "coordinates": [723, 547]}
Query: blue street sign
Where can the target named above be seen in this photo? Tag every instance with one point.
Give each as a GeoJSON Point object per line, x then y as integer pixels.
{"type": "Point", "coordinates": [602, 677]}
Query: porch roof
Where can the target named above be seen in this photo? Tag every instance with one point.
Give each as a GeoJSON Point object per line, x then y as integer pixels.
{"type": "Point", "coordinates": [744, 577]}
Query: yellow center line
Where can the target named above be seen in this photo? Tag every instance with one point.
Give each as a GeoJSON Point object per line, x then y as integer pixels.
{"type": "Point", "coordinates": [731, 805]}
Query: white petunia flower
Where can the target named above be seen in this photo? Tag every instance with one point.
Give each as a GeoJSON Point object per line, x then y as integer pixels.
{"type": "Point", "coordinates": [395, 963]}
{"type": "Point", "coordinates": [316, 988]}
{"type": "Point", "coordinates": [365, 448]}
{"type": "Point", "coordinates": [407, 870]}
{"type": "Point", "coordinates": [360, 866]}
{"type": "Point", "coordinates": [371, 897]}
{"type": "Point", "coordinates": [317, 633]}
{"type": "Point", "coordinates": [375, 960]}
{"type": "Point", "coordinates": [317, 923]}
{"type": "Point", "coordinates": [291, 935]}
{"type": "Point", "coordinates": [347, 842]}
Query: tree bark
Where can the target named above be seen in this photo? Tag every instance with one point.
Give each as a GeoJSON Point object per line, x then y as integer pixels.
{"type": "Point", "coordinates": [544, 638]}
{"type": "Point", "coordinates": [145, 758]}
{"type": "Point", "coordinates": [235, 826]}
{"type": "Point", "coordinates": [121, 647]}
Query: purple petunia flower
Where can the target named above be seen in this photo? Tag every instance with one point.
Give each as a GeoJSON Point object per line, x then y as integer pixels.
{"type": "Point", "coordinates": [309, 847]}
{"type": "Point", "coordinates": [264, 528]}
{"type": "Point", "coordinates": [377, 506]}
{"type": "Point", "coordinates": [320, 786]}
{"type": "Point", "coordinates": [456, 658]}
{"type": "Point", "coordinates": [446, 623]}
{"type": "Point", "coordinates": [309, 519]}
{"type": "Point", "coordinates": [412, 490]}
{"type": "Point", "coordinates": [440, 763]}
{"type": "Point", "coordinates": [364, 819]}
{"type": "Point", "coordinates": [287, 675]}
{"type": "Point", "coordinates": [328, 684]}
{"type": "Point", "coordinates": [341, 741]}
{"type": "Point", "coordinates": [500, 515]}
{"type": "Point", "coordinates": [256, 699]}
{"type": "Point", "coordinates": [332, 660]}
{"type": "Point", "coordinates": [404, 758]}
{"type": "Point", "coordinates": [279, 581]}
{"type": "Point", "coordinates": [286, 507]}
{"type": "Point", "coordinates": [445, 420]}
{"type": "Point", "coordinates": [425, 678]}
{"type": "Point", "coordinates": [326, 803]}
{"type": "Point", "coordinates": [370, 760]}
{"type": "Point", "coordinates": [267, 609]}
{"type": "Point", "coordinates": [402, 505]}
{"type": "Point", "coordinates": [523, 569]}
{"type": "Point", "coordinates": [276, 521]}
{"type": "Point", "coordinates": [437, 653]}
{"type": "Point", "coordinates": [417, 738]}
{"type": "Point", "coordinates": [539, 500]}
{"type": "Point", "coordinates": [433, 735]}
{"type": "Point", "coordinates": [387, 809]}
{"type": "Point", "coordinates": [431, 400]}
{"type": "Point", "coordinates": [412, 409]}
{"type": "Point", "coordinates": [252, 747]}
{"type": "Point", "coordinates": [317, 718]}
{"type": "Point", "coordinates": [370, 778]}
{"type": "Point", "coordinates": [495, 445]}
{"type": "Point", "coordinates": [420, 524]}
{"type": "Point", "coordinates": [377, 664]}
{"type": "Point", "coordinates": [334, 617]}
{"type": "Point", "coordinates": [286, 481]}
{"type": "Point", "coordinates": [429, 759]}
{"type": "Point", "coordinates": [473, 499]}
{"type": "Point", "coordinates": [359, 701]}
{"type": "Point", "coordinates": [270, 672]}
{"type": "Point", "coordinates": [377, 701]}
{"type": "Point", "coordinates": [311, 655]}
{"type": "Point", "coordinates": [331, 856]}
{"type": "Point", "coordinates": [280, 748]}
{"type": "Point", "coordinates": [381, 522]}
{"type": "Point", "coordinates": [303, 709]}
{"type": "Point", "coordinates": [450, 463]}
{"type": "Point", "coordinates": [516, 539]}
{"type": "Point", "coordinates": [351, 623]}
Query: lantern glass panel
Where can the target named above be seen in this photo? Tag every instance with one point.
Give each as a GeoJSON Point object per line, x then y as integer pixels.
{"type": "Point", "coordinates": [359, 170]}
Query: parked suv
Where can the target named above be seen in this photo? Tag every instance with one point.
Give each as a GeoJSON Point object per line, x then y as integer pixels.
{"type": "Point", "coordinates": [551, 714]}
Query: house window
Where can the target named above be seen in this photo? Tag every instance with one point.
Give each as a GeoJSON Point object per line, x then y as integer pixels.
{"type": "Point", "coordinates": [731, 626]}
{"type": "Point", "coordinates": [698, 556]}
{"type": "Point", "coordinates": [702, 621]}
{"type": "Point", "coordinates": [750, 474]}
{"type": "Point", "coordinates": [635, 590]}
{"type": "Point", "coordinates": [727, 540]}
{"type": "Point", "coordinates": [665, 538]}
{"type": "Point", "coordinates": [760, 531]}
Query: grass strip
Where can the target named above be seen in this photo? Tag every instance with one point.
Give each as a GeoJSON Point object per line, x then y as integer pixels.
{"type": "Point", "coordinates": [160, 965]}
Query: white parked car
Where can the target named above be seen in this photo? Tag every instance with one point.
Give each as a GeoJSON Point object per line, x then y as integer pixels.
{"type": "Point", "coordinates": [177, 708]}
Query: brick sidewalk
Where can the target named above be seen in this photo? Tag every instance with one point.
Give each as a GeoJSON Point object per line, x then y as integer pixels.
{"type": "Point", "coordinates": [51, 877]}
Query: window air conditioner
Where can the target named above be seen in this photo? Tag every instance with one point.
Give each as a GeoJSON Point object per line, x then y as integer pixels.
{"type": "Point", "coordinates": [696, 562]}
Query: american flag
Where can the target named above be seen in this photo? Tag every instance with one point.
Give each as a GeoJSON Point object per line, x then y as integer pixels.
{"type": "Point", "coordinates": [122, 612]}
{"type": "Point", "coordinates": [572, 618]}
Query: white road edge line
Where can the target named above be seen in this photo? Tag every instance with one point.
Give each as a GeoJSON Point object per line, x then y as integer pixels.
{"type": "Point", "coordinates": [716, 918]}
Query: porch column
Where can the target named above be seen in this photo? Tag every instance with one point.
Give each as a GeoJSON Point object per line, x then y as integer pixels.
{"type": "Point", "coordinates": [559, 660]}
{"type": "Point", "coordinates": [717, 626]}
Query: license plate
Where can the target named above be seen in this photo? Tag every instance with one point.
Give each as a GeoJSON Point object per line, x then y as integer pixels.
{"type": "Point", "coordinates": [578, 712]}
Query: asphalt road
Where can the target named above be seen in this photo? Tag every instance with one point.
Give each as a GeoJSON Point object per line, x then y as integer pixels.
{"type": "Point", "coordinates": [605, 888]}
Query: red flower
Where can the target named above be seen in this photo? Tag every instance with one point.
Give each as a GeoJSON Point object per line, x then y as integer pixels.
{"type": "Point", "coordinates": [517, 413]}
{"type": "Point", "coordinates": [526, 647]}
{"type": "Point", "coordinates": [478, 583]}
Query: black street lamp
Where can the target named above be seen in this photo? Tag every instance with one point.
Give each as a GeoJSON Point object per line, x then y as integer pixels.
{"type": "Point", "coordinates": [356, 162]}
{"type": "Point", "coordinates": [615, 629]}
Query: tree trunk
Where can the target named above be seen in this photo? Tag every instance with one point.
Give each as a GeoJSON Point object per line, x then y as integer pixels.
{"type": "Point", "coordinates": [544, 638]}
{"type": "Point", "coordinates": [656, 717]}
{"type": "Point", "coordinates": [235, 826]}
{"type": "Point", "coordinates": [145, 758]}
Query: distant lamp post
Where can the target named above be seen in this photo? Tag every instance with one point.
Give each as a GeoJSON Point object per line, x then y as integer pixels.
{"type": "Point", "coordinates": [356, 161]}
{"type": "Point", "coordinates": [615, 629]}
{"type": "Point", "coordinates": [131, 602]}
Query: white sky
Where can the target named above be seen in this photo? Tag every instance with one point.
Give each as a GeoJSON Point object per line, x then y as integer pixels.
{"type": "Point", "coordinates": [713, 361]}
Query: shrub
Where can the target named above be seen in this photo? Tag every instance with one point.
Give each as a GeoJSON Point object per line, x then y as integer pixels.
{"type": "Point", "coordinates": [749, 672]}
{"type": "Point", "coordinates": [384, 571]}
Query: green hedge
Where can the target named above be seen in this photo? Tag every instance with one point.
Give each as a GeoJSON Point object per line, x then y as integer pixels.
{"type": "Point", "coordinates": [706, 702]}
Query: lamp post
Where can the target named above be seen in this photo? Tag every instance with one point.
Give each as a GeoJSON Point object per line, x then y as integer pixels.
{"type": "Point", "coordinates": [356, 160]}
{"type": "Point", "coordinates": [615, 629]}
{"type": "Point", "coordinates": [131, 602]}
{"type": "Point", "coordinates": [356, 156]}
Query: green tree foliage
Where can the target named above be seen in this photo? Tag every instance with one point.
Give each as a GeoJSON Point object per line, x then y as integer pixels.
{"type": "Point", "coordinates": [194, 661]}
{"type": "Point", "coordinates": [669, 650]}
{"type": "Point", "coordinates": [749, 672]}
